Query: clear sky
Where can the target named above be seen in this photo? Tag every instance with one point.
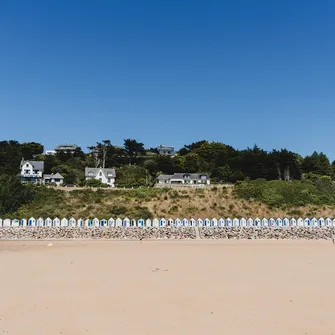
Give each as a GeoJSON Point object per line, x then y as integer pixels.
{"type": "Point", "coordinates": [172, 72]}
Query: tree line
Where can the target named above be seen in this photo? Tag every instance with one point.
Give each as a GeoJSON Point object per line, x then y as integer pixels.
{"type": "Point", "coordinates": [139, 166]}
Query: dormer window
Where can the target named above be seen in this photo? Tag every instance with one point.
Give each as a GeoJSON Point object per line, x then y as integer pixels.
{"type": "Point", "coordinates": [90, 173]}
{"type": "Point", "coordinates": [100, 173]}
{"type": "Point", "coordinates": [27, 165]}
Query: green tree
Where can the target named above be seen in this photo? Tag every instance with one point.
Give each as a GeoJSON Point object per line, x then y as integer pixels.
{"type": "Point", "coordinates": [133, 149]}
{"type": "Point", "coordinates": [317, 163]}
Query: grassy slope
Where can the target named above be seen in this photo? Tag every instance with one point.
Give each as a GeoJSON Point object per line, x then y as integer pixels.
{"type": "Point", "coordinates": [215, 202]}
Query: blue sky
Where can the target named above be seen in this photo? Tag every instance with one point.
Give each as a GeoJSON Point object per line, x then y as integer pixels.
{"type": "Point", "coordinates": [169, 72]}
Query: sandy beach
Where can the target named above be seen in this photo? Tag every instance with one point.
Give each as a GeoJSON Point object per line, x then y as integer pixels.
{"type": "Point", "coordinates": [167, 287]}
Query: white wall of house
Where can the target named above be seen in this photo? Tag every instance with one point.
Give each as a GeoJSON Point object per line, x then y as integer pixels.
{"type": "Point", "coordinates": [27, 170]}
{"type": "Point", "coordinates": [109, 180]}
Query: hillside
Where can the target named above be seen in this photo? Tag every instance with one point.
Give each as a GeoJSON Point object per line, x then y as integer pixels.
{"type": "Point", "coordinates": [149, 203]}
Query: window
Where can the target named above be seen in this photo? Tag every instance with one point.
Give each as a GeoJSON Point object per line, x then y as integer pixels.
{"type": "Point", "coordinates": [90, 173]}
{"type": "Point", "coordinates": [100, 173]}
{"type": "Point", "coordinates": [27, 165]}
{"type": "Point", "coordinates": [109, 180]}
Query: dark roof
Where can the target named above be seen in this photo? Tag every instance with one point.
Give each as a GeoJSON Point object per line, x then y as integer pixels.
{"type": "Point", "coordinates": [191, 176]}
{"type": "Point", "coordinates": [37, 165]}
{"type": "Point", "coordinates": [94, 172]}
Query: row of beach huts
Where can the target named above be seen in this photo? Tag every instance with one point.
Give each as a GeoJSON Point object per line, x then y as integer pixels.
{"type": "Point", "coordinates": [241, 222]}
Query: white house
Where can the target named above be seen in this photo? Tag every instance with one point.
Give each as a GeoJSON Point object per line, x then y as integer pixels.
{"type": "Point", "coordinates": [71, 148]}
{"type": "Point", "coordinates": [183, 179]}
{"type": "Point", "coordinates": [106, 176]}
{"type": "Point", "coordinates": [56, 178]}
{"type": "Point", "coordinates": [31, 171]}
{"type": "Point", "coordinates": [165, 150]}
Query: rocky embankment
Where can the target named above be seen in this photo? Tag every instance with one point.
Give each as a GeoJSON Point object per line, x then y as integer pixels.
{"type": "Point", "coordinates": [54, 233]}
{"type": "Point", "coordinates": [121, 233]}
{"type": "Point", "coordinates": [304, 233]}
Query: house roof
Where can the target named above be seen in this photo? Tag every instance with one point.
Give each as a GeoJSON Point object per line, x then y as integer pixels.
{"type": "Point", "coordinates": [90, 171]}
{"type": "Point", "coordinates": [165, 147]}
{"type": "Point", "coordinates": [191, 176]}
{"type": "Point", "coordinates": [37, 165]}
{"type": "Point", "coordinates": [56, 175]}
{"type": "Point", "coordinates": [66, 147]}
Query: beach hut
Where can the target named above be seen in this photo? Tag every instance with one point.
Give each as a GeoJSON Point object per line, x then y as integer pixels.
{"type": "Point", "coordinates": [118, 222]}
{"type": "Point", "coordinates": [80, 222]}
{"type": "Point", "coordinates": [1, 222]}
{"type": "Point", "coordinates": [15, 223]}
{"type": "Point", "coordinates": [229, 222]}
{"type": "Point", "coordinates": [193, 223]}
{"type": "Point", "coordinates": [279, 222]}
{"type": "Point", "coordinates": [7, 223]}
{"type": "Point", "coordinates": [23, 223]}
{"type": "Point", "coordinates": [140, 223]}
{"type": "Point", "coordinates": [214, 222]}
{"type": "Point", "coordinates": [272, 222]}
{"type": "Point", "coordinates": [64, 222]}
{"type": "Point", "coordinates": [257, 222]}
{"type": "Point", "coordinates": [148, 223]}
{"type": "Point", "coordinates": [221, 222]}
{"type": "Point", "coordinates": [200, 223]}
{"type": "Point", "coordinates": [300, 222]}
{"type": "Point", "coordinates": [103, 223]}
{"type": "Point", "coordinates": [184, 222]}
{"type": "Point", "coordinates": [321, 222]}
{"type": "Point", "coordinates": [31, 222]}
{"type": "Point", "coordinates": [170, 222]}
{"type": "Point", "coordinates": [286, 222]}
{"type": "Point", "coordinates": [162, 222]}
{"type": "Point", "coordinates": [250, 222]}
{"type": "Point", "coordinates": [111, 222]}
{"type": "Point", "coordinates": [236, 222]}
{"type": "Point", "coordinates": [56, 222]}
{"type": "Point", "coordinates": [88, 223]}
{"type": "Point", "coordinates": [207, 222]}
{"type": "Point", "coordinates": [95, 222]}
{"type": "Point", "coordinates": [133, 223]}
{"type": "Point", "coordinates": [178, 222]}
{"type": "Point", "coordinates": [307, 222]}
{"type": "Point", "coordinates": [265, 222]}
{"type": "Point", "coordinates": [48, 222]}
{"type": "Point", "coordinates": [72, 222]}
{"type": "Point", "coordinates": [126, 222]}
{"type": "Point", "coordinates": [314, 222]}
{"type": "Point", "coordinates": [293, 222]}
{"type": "Point", "coordinates": [40, 222]}
{"type": "Point", "coordinates": [333, 222]}
{"type": "Point", "coordinates": [155, 222]}
{"type": "Point", "coordinates": [329, 222]}
{"type": "Point", "coordinates": [242, 222]}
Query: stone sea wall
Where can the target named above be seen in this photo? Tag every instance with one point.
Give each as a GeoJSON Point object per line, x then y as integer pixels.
{"type": "Point", "coordinates": [147, 233]}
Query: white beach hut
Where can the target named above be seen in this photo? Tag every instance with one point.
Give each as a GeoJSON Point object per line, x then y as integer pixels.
{"type": "Point", "coordinates": [48, 222]}
{"type": "Point", "coordinates": [300, 222]}
{"type": "Point", "coordinates": [155, 223]}
{"type": "Point", "coordinates": [162, 222]}
{"type": "Point", "coordinates": [111, 222]}
{"type": "Point", "coordinates": [257, 222]}
{"type": "Point", "coordinates": [177, 222]}
{"type": "Point", "coordinates": [88, 223]}
{"type": "Point", "coordinates": [236, 222]}
{"type": "Point", "coordinates": [103, 223]}
{"type": "Point", "coordinates": [214, 222]}
{"type": "Point", "coordinates": [56, 222]}
{"type": "Point", "coordinates": [80, 222]}
{"type": "Point", "coordinates": [15, 223]}
{"type": "Point", "coordinates": [272, 222]}
{"type": "Point", "coordinates": [265, 222]}
{"type": "Point", "coordinates": [140, 223]}
{"type": "Point", "coordinates": [293, 222]}
{"type": "Point", "coordinates": [64, 222]}
{"type": "Point", "coordinates": [133, 223]}
{"type": "Point", "coordinates": [307, 222]}
{"type": "Point", "coordinates": [250, 222]}
{"type": "Point", "coordinates": [329, 222]}
{"type": "Point", "coordinates": [279, 222]}
{"type": "Point", "coordinates": [23, 223]}
{"type": "Point", "coordinates": [118, 222]}
{"type": "Point", "coordinates": [200, 223]}
{"type": "Point", "coordinates": [229, 222]}
{"type": "Point", "coordinates": [7, 222]}
{"type": "Point", "coordinates": [1, 222]}
{"type": "Point", "coordinates": [39, 222]}
{"type": "Point", "coordinates": [126, 222]}
{"type": "Point", "coordinates": [286, 222]}
{"type": "Point", "coordinates": [321, 222]}
{"type": "Point", "coordinates": [31, 222]}
{"type": "Point", "coordinates": [314, 222]}
{"type": "Point", "coordinates": [221, 222]}
{"type": "Point", "coordinates": [148, 223]}
{"type": "Point", "coordinates": [207, 222]}
{"type": "Point", "coordinates": [72, 222]}
{"type": "Point", "coordinates": [170, 222]}
{"type": "Point", "coordinates": [95, 222]}
{"type": "Point", "coordinates": [184, 222]}
{"type": "Point", "coordinates": [193, 222]}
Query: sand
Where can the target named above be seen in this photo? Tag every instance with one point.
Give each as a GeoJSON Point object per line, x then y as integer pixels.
{"type": "Point", "coordinates": [167, 287]}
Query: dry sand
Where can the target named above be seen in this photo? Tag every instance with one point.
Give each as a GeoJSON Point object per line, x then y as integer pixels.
{"type": "Point", "coordinates": [167, 287]}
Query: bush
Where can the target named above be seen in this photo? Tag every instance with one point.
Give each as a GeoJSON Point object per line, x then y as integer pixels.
{"type": "Point", "coordinates": [95, 183]}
